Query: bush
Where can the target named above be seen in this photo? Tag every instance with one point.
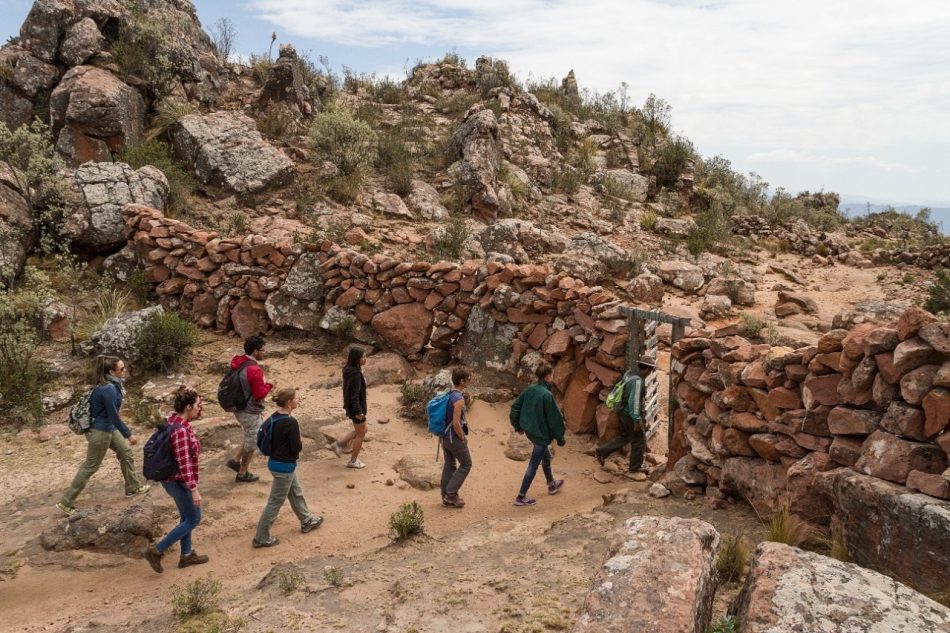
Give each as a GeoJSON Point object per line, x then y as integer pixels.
{"type": "Point", "coordinates": [139, 285]}
{"type": "Point", "coordinates": [406, 521]}
{"type": "Point", "coordinates": [673, 159]}
{"type": "Point", "coordinates": [163, 341]}
{"type": "Point", "coordinates": [349, 144]}
{"type": "Point", "coordinates": [493, 73]}
{"type": "Point", "coordinates": [712, 232]}
{"type": "Point", "coordinates": [144, 49]}
{"type": "Point", "coordinates": [223, 37]}
{"type": "Point", "coordinates": [732, 558]}
{"type": "Point", "coordinates": [395, 160]}
{"type": "Point", "coordinates": [725, 624]}
{"type": "Point", "coordinates": [450, 242]}
{"type": "Point", "coordinates": [388, 91]}
{"type": "Point", "coordinates": [456, 103]}
{"type": "Point", "coordinates": [23, 375]}
{"type": "Point", "coordinates": [751, 326]}
{"type": "Point", "coordinates": [938, 295]}
{"type": "Point", "coordinates": [290, 580]}
{"type": "Point", "coordinates": [785, 527]}
{"type": "Point", "coordinates": [181, 184]}
{"type": "Point", "coordinates": [413, 399]}
{"type": "Point", "coordinates": [198, 597]}
{"type": "Point", "coordinates": [333, 576]}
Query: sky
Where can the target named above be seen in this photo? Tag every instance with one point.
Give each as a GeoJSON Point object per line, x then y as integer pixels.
{"type": "Point", "coordinates": [850, 96]}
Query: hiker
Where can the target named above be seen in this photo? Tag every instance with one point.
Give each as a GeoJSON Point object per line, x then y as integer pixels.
{"type": "Point", "coordinates": [536, 415]}
{"type": "Point", "coordinates": [628, 410]}
{"type": "Point", "coordinates": [182, 487]}
{"type": "Point", "coordinates": [107, 431]}
{"type": "Point", "coordinates": [251, 415]}
{"type": "Point", "coordinates": [354, 402]}
{"type": "Point", "coordinates": [458, 459]}
{"type": "Point", "coordinates": [282, 463]}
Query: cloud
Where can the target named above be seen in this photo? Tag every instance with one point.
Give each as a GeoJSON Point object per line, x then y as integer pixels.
{"type": "Point", "coordinates": [819, 160]}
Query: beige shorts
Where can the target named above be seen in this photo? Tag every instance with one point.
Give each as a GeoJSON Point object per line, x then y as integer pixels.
{"type": "Point", "coordinates": [250, 422]}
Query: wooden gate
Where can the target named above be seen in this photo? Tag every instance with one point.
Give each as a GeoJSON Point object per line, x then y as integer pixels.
{"type": "Point", "coordinates": [643, 344]}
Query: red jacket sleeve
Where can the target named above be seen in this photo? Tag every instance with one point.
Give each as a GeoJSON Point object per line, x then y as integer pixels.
{"type": "Point", "coordinates": [187, 468]}
{"type": "Point", "coordinates": [255, 378]}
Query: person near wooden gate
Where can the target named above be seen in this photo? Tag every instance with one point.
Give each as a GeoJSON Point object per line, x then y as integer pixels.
{"type": "Point", "coordinates": [629, 411]}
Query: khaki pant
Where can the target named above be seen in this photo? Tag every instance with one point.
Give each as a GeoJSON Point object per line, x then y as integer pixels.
{"type": "Point", "coordinates": [285, 486]}
{"type": "Point", "coordinates": [98, 443]}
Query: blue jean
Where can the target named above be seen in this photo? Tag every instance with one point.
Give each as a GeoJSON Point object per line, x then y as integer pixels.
{"type": "Point", "coordinates": [190, 518]}
{"type": "Point", "coordinates": [540, 456]}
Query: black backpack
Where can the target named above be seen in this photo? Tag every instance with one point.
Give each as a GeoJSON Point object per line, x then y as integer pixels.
{"type": "Point", "coordinates": [231, 394]}
{"type": "Point", "coordinates": [159, 463]}
{"type": "Point", "coordinates": [265, 434]}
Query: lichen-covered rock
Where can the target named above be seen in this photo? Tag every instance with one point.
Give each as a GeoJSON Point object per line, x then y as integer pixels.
{"type": "Point", "coordinates": [424, 201]}
{"type": "Point", "coordinates": [106, 188]}
{"type": "Point", "coordinates": [739, 291]}
{"type": "Point", "coordinates": [646, 288]}
{"type": "Point", "coordinates": [93, 113]}
{"type": "Point", "coordinates": [791, 590]}
{"type": "Point", "coordinates": [285, 85]}
{"type": "Point", "coordinates": [683, 275]}
{"type": "Point", "coordinates": [867, 312]}
{"type": "Point", "coordinates": [659, 576]}
{"type": "Point", "coordinates": [82, 41]}
{"type": "Point", "coordinates": [590, 257]}
{"type": "Point", "coordinates": [478, 141]}
{"type": "Point", "coordinates": [17, 234]}
{"type": "Point", "coordinates": [125, 531]}
{"type": "Point", "coordinates": [635, 186]}
{"type": "Point", "coordinates": [224, 149]}
{"type": "Point", "coordinates": [117, 335]}
{"type": "Point", "coordinates": [486, 342]}
{"type": "Point", "coordinates": [521, 239]}
{"type": "Point", "coordinates": [715, 307]}
{"type": "Point", "coordinates": [44, 26]}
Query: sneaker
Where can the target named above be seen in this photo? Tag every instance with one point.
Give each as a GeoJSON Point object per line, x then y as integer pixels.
{"type": "Point", "coordinates": [246, 477]}
{"type": "Point", "coordinates": [154, 558]}
{"type": "Point", "coordinates": [234, 465]}
{"type": "Point", "coordinates": [355, 463]}
{"type": "Point", "coordinates": [453, 501]}
{"type": "Point", "coordinates": [337, 449]}
{"type": "Point", "coordinates": [65, 509]}
{"type": "Point", "coordinates": [524, 501]}
{"type": "Point", "coordinates": [271, 542]}
{"type": "Point", "coordinates": [141, 490]}
{"type": "Point", "coordinates": [312, 524]}
{"type": "Point", "coordinates": [555, 486]}
{"type": "Point", "coordinates": [192, 559]}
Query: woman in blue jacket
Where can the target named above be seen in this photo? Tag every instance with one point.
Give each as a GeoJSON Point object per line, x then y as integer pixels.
{"type": "Point", "coordinates": [107, 431]}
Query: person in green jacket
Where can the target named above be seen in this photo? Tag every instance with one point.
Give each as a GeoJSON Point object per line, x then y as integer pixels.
{"type": "Point", "coordinates": [536, 415]}
{"type": "Point", "coordinates": [631, 427]}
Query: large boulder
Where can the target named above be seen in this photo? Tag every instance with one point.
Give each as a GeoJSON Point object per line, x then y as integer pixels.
{"type": "Point", "coordinates": [118, 334]}
{"type": "Point", "coordinates": [106, 188]}
{"type": "Point", "coordinates": [44, 26]}
{"type": "Point", "coordinates": [590, 257]}
{"type": "Point", "coordinates": [26, 78]}
{"type": "Point", "coordinates": [739, 291]}
{"type": "Point", "coordinates": [646, 288]}
{"type": "Point", "coordinates": [659, 576]}
{"type": "Point", "coordinates": [224, 149]}
{"type": "Point", "coordinates": [635, 186]}
{"type": "Point", "coordinates": [126, 531]}
{"type": "Point", "coordinates": [420, 472]}
{"type": "Point", "coordinates": [789, 589]}
{"type": "Point", "coordinates": [888, 528]}
{"type": "Point", "coordinates": [386, 368]}
{"type": "Point", "coordinates": [486, 343]}
{"type": "Point", "coordinates": [478, 142]}
{"type": "Point", "coordinates": [521, 239]}
{"type": "Point", "coordinates": [424, 201]}
{"type": "Point", "coordinates": [17, 234]}
{"type": "Point", "coordinates": [404, 327]}
{"type": "Point", "coordinates": [889, 457]}
{"type": "Point", "coordinates": [82, 41]}
{"type": "Point", "coordinates": [285, 84]}
{"type": "Point", "coordinates": [683, 275]}
{"type": "Point", "coordinates": [867, 312]}
{"type": "Point", "coordinates": [298, 303]}
{"type": "Point", "coordinates": [93, 113]}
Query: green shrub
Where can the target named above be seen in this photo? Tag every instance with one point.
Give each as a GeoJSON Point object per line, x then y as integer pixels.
{"type": "Point", "coordinates": [200, 596]}
{"type": "Point", "coordinates": [163, 340]}
{"type": "Point", "coordinates": [181, 184]}
{"type": "Point", "coordinates": [450, 242]}
{"type": "Point", "coordinates": [938, 295]}
{"type": "Point", "coordinates": [349, 144]}
{"type": "Point", "coordinates": [493, 73]}
{"type": "Point", "coordinates": [725, 624]}
{"type": "Point", "coordinates": [277, 123]}
{"type": "Point", "coordinates": [456, 103]}
{"type": "Point", "coordinates": [732, 558]}
{"type": "Point", "coordinates": [290, 580]}
{"type": "Point", "coordinates": [388, 91]}
{"type": "Point", "coordinates": [260, 66]}
{"type": "Point", "coordinates": [672, 159]}
{"type": "Point", "coordinates": [333, 576]}
{"type": "Point", "coordinates": [711, 233]}
{"type": "Point", "coordinates": [23, 375]}
{"type": "Point", "coordinates": [144, 49]}
{"type": "Point", "coordinates": [648, 221]}
{"type": "Point", "coordinates": [407, 521]}
{"type": "Point", "coordinates": [395, 161]}
{"type": "Point", "coordinates": [751, 326]}
{"type": "Point", "coordinates": [139, 285]}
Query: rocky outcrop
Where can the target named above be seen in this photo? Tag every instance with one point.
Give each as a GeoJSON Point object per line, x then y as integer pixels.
{"type": "Point", "coordinates": [524, 241]}
{"type": "Point", "coordinates": [117, 337]}
{"type": "Point", "coordinates": [683, 275]}
{"type": "Point", "coordinates": [17, 234]}
{"type": "Point", "coordinates": [659, 576]}
{"type": "Point", "coordinates": [93, 113]}
{"type": "Point", "coordinates": [478, 142]}
{"type": "Point", "coordinates": [590, 257]}
{"type": "Point", "coordinates": [124, 532]}
{"type": "Point", "coordinates": [225, 150]}
{"type": "Point", "coordinates": [424, 201]}
{"type": "Point", "coordinates": [285, 85]}
{"type": "Point", "coordinates": [788, 589]}
{"type": "Point", "coordinates": [99, 225]}
{"type": "Point", "coordinates": [25, 78]}
{"type": "Point", "coordinates": [82, 41]}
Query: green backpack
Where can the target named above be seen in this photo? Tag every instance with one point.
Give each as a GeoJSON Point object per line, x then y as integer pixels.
{"type": "Point", "coordinates": [615, 398]}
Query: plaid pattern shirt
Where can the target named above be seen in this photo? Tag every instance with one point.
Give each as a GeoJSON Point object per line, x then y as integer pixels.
{"type": "Point", "coordinates": [186, 448]}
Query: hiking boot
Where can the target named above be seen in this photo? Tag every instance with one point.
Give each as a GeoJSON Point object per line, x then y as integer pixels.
{"type": "Point", "coordinates": [521, 500]}
{"type": "Point", "coordinates": [65, 509]}
{"type": "Point", "coordinates": [141, 490]}
{"type": "Point", "coordinates": [234, 465]}
{"type": "Point", "coordinates": [270, 542]}
{"type": "Point", "coordinates": [337, 449]}
{"type": "Point", "coordinates": [154, 558]}
{"type": "Point", "coordinates": [246, 477]}
{"type": "Point", "coordinates": [192, 559]}
{"type": "Point", "coordinates": [355, 463]}
{"type": "Point", "coordinates": [312, 524]}
{"type": "Point", "coordinates": [453, 501]}
{"type": "Point", "coordinates": [555, 486]}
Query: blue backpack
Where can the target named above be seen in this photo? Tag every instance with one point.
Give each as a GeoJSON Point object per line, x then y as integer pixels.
{"type": "Point", "coordinates": [438, 413]}
{"type": "Point", "coordinates": [265, 434]}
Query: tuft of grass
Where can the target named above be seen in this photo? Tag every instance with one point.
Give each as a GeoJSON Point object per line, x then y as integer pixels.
{"type": "Point", "coordinates": [290, 580]}
{"type": "Point", "coordinates": [785, 527]}
{"type": "Point", "coordinates": [333, 576]}
{"type": "Point", "coordinates": [234, 224]}
{"type": "Point", "coordinates": [942, 597]}
{"type": "Point", "coordinates": [215, 622]}
{"type": "Point", "coordinates": [167, 113]}
{"type": "Point", "coordinates": [407, 521]}
{"type": "Point", "coordinates": [109, 302]}
{"type": "Point", "coordinates": [751, 326]}
{"type": "Point", "coordinates": [732, 559]}
{"type": "Point", "coordinates": [725, 624]}
{"type": "Point", "coordinates": [938, 295]}
{"type": "Point", "coordinates": [199, 597]}
{"type": "Point", "coordinates": [648, 221]}
{"type": "Point", "coordinates": [344, 327]}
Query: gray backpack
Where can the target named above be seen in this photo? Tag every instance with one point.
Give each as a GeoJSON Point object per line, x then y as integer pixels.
{"type": "Point", "coordinates": [80, 417]}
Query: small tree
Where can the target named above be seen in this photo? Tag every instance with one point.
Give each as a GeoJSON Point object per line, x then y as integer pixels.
{"type": "Point", "coordinates": [223, 37]}
{"type": "Point", "coordinates": [346, 142]}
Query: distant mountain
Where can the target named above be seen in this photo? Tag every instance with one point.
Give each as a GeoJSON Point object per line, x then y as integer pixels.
{"type": "Point", "coordinates": [856, 206]}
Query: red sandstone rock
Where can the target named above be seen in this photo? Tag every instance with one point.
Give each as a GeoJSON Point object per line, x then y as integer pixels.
{"type": "Point", "coordinates": [736, 443]}
{"type": "Point", "coordinates": [914, 353]}
{"type": "Point", "coordinates": [846, 450]}
{"type": "Point", "coordinates": [579, 406]}
{"type": "Point", "coordinates": [937, 335]}
{"type": "Point", "coordinates": [783, 398]}
{"type": "Point", "coordinates": [848, 421]}
{"type": "Point", "coordinates": [558, 343]}
{"type": "Point", "coordinates": [911, 321]}
{"type": "Point", "coordinates": [888, 457]}
{"type": "Point", "coordinates": [882, 339]}
{"type": "Point", "coordinates": [831, 341]}
{"type": "Point", "coordinates": [853, 344]}
{"type": "Point", "coordinates": [747, 422]}
{"type": "Point", "coordinates": [936, 411]}
{"type": "Point", "coordinates": [885, 365]}
{"type": "Point", "coordinates": [769, 411]}
{"type": "Point", "coordinates": [929, 484]}
{"type": "Point", "coordinates": [904, 420]}
{"type": "Point", "coordinates": [821, 390]}
{"type": "Point", "coordinates": [916, 384]}
{"type": "Point", "coordinates": [405, 327]}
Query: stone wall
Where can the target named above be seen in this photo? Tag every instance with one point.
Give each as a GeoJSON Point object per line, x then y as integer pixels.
{"type": "Point", "coordinates": [816, 426]}
{"type": "Point", "coordinates": [501, 316]}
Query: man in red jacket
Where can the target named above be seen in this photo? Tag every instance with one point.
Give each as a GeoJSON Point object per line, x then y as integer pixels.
{"type": "Point", "coordinates": [251, 417]}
